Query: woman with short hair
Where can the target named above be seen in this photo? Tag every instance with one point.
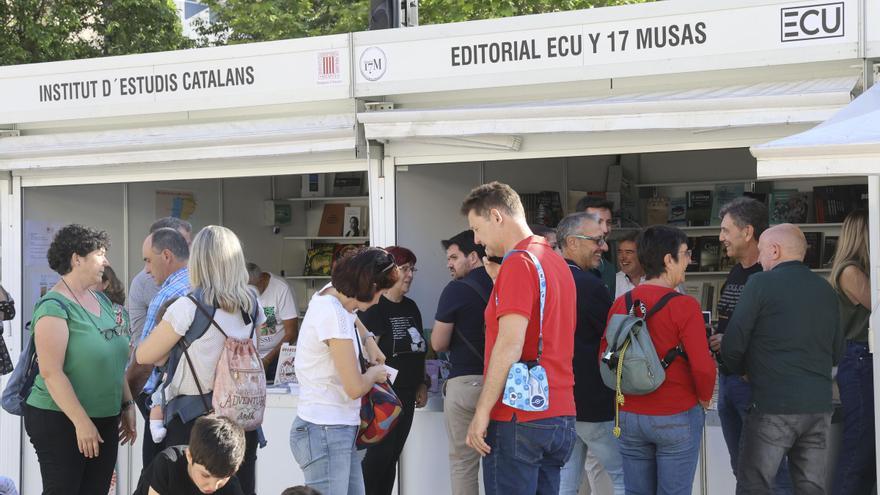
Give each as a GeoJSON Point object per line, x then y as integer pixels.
{"type": "Point", "coordinates": [660, 432]}
{"type": "Point", "coordinates": [856, 464]}
{"type": "Point", "coordinates": [397, 324]}
{"type": "Point", "coordinates": [72, 414]}
{"type": "Point", "coordinates": [219, 281]}
{"type": "Point", "coordinates": [328, 349]}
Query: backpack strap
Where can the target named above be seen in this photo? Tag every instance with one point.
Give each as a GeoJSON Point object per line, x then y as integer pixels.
{"type": "Point", "coordinates": [676, 351]}
{"type": "Point", "coordinates": [480, 290]}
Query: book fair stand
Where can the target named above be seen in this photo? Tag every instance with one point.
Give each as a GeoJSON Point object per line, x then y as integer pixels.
{"type": "Point", "coordinates": [664, 108]}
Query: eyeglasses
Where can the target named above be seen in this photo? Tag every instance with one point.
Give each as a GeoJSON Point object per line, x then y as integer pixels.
{"type": "Point", "coordinates": [599, 240]}
{"type": "Point", "coordinates": [109, 333]}
{"type": "Point", "coordinates": [687, 252]}
{"type": "Point", "coordinates": [408, 268]}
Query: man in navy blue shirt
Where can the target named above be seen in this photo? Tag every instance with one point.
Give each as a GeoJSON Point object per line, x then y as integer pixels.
{"type": "Point", "coordinates": [460, 329]}
{"type": "Point", "coordinates": [582, 239]}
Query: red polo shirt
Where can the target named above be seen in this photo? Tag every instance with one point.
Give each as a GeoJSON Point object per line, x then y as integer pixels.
{"type": "Point", "coordinates": [516, 291]}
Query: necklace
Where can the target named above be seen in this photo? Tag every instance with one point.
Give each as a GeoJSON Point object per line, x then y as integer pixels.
{"type": "Point", "coordinates": [88, 313]}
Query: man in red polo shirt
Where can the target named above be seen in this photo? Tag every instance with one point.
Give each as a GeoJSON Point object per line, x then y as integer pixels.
{"type": "Point", "coordinates": [523, 451]}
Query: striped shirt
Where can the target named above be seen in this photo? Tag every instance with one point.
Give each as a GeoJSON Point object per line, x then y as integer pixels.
{"type": "Point", "coordinates": [176, 285]}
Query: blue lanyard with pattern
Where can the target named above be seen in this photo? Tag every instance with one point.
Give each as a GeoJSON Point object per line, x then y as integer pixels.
{"type": "Point", "coordinates": [542, 287]}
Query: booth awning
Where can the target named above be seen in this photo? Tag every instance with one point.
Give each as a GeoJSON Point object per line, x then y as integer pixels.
{"type": "Point", "coordinates": [759, 104]}
{"type": "Point", "coordinates": [848, 143]}
{"type": "Point", "coordinates": [179, 144]}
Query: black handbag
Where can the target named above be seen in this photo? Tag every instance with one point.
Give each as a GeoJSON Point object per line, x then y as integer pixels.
{"type": "Point", "coordinates": [7, 312]}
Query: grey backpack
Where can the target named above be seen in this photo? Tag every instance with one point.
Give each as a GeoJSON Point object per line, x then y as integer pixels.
{"type": "Point", "coordinates": [631, 363]}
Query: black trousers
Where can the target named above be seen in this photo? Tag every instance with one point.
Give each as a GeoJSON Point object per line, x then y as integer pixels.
{"type": "Point", "coordinates": [178, 434]}
{"type": "Point", "coordinates": [380, 463]}
{"type": "Point", "coordinates": [149, 449]}
{"type": "Point", "coordinates": [64, 470]}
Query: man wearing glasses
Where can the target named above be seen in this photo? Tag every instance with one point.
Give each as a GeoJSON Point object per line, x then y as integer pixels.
{"type": "Point", "coordinates": [602, 208]}
{"type": "Point", "coordinates": [582, 241]}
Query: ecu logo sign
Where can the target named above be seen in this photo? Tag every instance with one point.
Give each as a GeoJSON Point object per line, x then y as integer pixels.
{"type": "Point", "coordinates": [812, 22]}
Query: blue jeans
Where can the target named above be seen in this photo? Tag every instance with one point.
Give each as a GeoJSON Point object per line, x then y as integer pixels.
{"type": "Point", "coordinates": [328, 457]}
{"type": "Point", "coordinates": [856, 464]}
{"type": "Point", "coordinates": [660, 453]}
{"type": "Point", "coordinates": [526, 457]}
{"type": "Point", "coordinates": [734, 401]}
{"type": "Point", "coordinates": [599, 441]}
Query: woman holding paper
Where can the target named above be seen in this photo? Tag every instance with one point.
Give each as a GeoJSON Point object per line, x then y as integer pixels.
{"type": "Point", "coordinates": [323, 434]}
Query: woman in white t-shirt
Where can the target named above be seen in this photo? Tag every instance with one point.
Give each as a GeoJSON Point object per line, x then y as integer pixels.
{"type": "Point", "coordinates": [323, 434]}
{"type": "Point", "coordinates": [217, 271]}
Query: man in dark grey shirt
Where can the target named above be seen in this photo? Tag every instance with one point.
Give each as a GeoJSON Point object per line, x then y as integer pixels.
{"type": "Point", "coordinates": [784, 337]}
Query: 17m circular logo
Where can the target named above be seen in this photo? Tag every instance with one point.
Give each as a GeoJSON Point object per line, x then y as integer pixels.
{"type": "Point", "coordinates": [373, 63]}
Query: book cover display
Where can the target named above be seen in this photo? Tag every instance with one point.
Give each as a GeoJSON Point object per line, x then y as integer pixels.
{"type": "Point", "coordinates": [699, 208]}
{"type": "Point", "coordinates": [285, 372]}
{"type": "Point", "coordinates": [332, 220]}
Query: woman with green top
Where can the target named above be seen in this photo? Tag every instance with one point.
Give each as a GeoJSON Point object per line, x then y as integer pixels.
{"type": "Point", "coordinates": [856, 465]}
{"type": "Point", "coordinates": [73, 412]}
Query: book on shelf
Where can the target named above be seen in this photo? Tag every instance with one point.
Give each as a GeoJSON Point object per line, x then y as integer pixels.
{"type": "Point", "coordinates": [332, 220]}
{"type": "Point", "coordinates": [312, 186]}
{"type": "Point", "coordinates": [829, 246]}
{"type": "Point", "coordinates": [760, 196]}
{"type": "Point", "coordinates": [833, 203]}
{"type": "Point", "coordinates": [694, 246]}
{"type": "Point", "coordinates": [710, 253]}
{"type": "Point", "coordinates": [543, 208]}
{"type": "Point", "coordinates": [355, 226]}
{"type": "Point", "coordinates": [319, 259]}
{"type": "Point", "coordinates": [813, 256]}
{"type": "Point", "coordinates": [789, 206]}
{"type": "Point", "coordinates": [724, 193]}
{"type": "Point", "coordinates": [656, 211]}
{"type": "Point", "coordinates": [677, 212]}
{"type": "Point", "coordinates": [348, 183]}
{"type": "Point", "coordinates": [699, 208]}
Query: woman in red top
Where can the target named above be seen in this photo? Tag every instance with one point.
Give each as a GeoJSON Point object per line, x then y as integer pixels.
{"type": "Point", "coordinates": [661, 431]}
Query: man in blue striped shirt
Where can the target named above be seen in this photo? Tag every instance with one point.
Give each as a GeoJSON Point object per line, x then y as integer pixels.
{"type": "Point", "coordinates": [166, 254]}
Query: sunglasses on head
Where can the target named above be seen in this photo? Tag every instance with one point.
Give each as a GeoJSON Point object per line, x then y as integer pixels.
{"type": "Point", "coordinates": [384, 265]}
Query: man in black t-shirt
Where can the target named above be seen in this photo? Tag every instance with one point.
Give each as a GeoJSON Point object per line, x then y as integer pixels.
{"type": "Point", "coordinates": [207, 465]}
{"type": "Point", "coordinates": [742, 222]}
{"type": "Point", "coordinates": [459, 328]}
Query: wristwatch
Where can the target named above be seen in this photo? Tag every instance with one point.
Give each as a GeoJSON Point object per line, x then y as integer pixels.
{"type": "Point", "coordinates": [126, 404]}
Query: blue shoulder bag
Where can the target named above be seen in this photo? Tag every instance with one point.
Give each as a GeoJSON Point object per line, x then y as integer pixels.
{"type": "Point", "coordinates": [527, 387]}
{"type": "Point", "coordinates": [22, 379]}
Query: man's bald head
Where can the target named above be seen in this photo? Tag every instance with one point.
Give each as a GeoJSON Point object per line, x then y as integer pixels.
{"type": "Point", "coordinates": [781, 243]}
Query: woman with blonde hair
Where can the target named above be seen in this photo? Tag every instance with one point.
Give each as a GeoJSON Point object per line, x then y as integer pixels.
{"type": "Point", "coordinates": [219, 281]}
{"type": "Point", "coordinates": [856, 466]}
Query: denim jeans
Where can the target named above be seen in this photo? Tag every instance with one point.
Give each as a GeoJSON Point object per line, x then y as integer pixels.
{"type": "Point", "coordinates": [526, 457]}
{"type": "Point", "coordinates": [597, 439]}
{"type": "Point", "coordinates": [660, 453]}
{"type": "Point", "coordinates": [767, 438]}
{"type": "Point", "coordinates": [734, 401]}
{"type": "Point", "coordinates": [856, 471]}
{"type": "Point", "coordinates": [328, 457]}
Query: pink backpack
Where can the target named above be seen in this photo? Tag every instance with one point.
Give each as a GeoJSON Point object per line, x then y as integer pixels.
{"type": "Point", "coordinates": [239, 381]}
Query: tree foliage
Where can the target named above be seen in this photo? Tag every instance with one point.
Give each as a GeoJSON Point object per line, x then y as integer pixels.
{"type": "Point", "coordinates": [45, 30]}
{"type": "Point", "coordinates": [242, 21]}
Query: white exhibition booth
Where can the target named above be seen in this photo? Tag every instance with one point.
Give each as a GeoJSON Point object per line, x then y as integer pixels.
{"type": "Point", "coordinates": [675, 93]}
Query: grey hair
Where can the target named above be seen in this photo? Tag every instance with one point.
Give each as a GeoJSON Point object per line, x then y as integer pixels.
{"type": "Point", "coordinates": [172, 240]}
{"type": "Point", "coordinates": [254, 270]}
{"type": "Point", "coordinates": [217, 267]}
{"type": "Point", "coordinates": [171, 223]}
{"type": "Point", "coordinates": [569, 225]}
{"type": "Point", "coordinates": [745, 211]}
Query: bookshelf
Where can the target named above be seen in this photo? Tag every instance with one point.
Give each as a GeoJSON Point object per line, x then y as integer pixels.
{"type": "Point", "coordinates": [306, 254]}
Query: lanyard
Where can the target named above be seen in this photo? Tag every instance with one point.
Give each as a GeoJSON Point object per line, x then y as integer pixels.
{"type": "Point", "coordinates": [542, 287]}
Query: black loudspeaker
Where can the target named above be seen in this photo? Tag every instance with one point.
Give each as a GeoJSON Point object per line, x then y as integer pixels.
{"type": "Point", "coordinates": [384, 14]}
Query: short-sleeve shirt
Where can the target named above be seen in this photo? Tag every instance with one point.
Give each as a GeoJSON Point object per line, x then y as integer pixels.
{"type": "Point", "coordinates": [94, 364]}
{"type": "Point", "coordinates": [322, 398]}
{"type": "Point", "coordinates": [398, 326]}
{"type": "Point", "coordinates": [463, 307]}
{"type": "Point", "coordinates": [168, 475]}
{"type": "Point", "coordinates": [516, 291]}
{"type": "Point", "coordinates": [143, 289]}
{"type": "Point", "coordinates": [204, 351]}
{"type": "Point", "coordinates": [731, 290]}
{"type": "Point", "coordinates": [278, 305]}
